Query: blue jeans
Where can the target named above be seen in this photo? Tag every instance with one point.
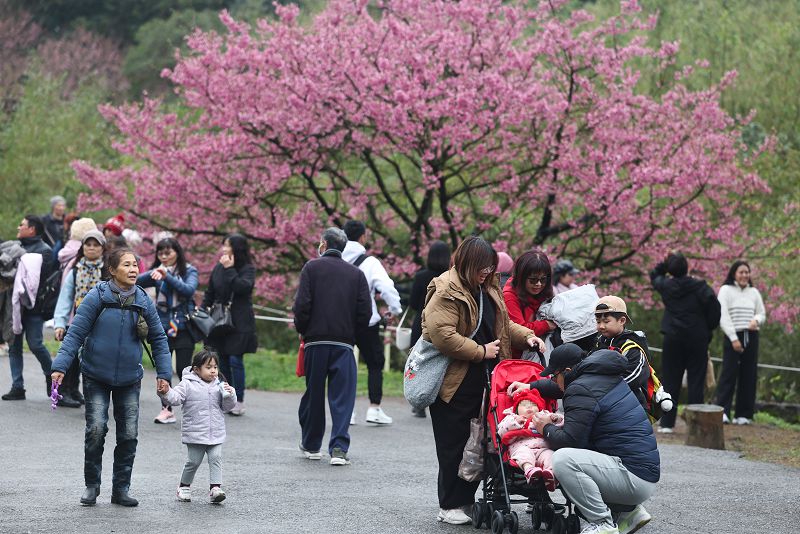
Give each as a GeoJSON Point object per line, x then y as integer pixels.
{"type": "Point", "coordinates": [232, 367]}
{"type": "Point", "coordinates": [126, 415]}
{"type": "Point", "coordinates": [32, 324]}
{"type": "Point", "coordinates": [335, 365]}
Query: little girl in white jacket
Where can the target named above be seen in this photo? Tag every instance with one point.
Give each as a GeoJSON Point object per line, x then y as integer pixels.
{"type": "Point", "coordinates": [204, 399]}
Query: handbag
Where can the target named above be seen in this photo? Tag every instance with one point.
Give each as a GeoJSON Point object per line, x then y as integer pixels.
{"type": "Point", "coordinates": [425, 369]}
{"type": "Point", "coordinates": [471, 466]}
{"type": "Point", "coordinates": [300, 368]}
{"type": "Point", "coordinates": [201, 323]}
{"type": "Point", "coordinates": [402, 336]}
{"type": "Point", "coordinates": [223, 321]}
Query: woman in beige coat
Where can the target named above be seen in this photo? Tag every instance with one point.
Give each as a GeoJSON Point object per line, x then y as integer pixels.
{"type": "Point", "coordinates": [449, 317]}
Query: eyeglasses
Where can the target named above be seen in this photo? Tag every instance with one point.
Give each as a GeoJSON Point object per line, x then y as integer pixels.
{"type": "Point", "coordinates": [487, 270]}
{"type": "Point", "coordinates": [540, 280]}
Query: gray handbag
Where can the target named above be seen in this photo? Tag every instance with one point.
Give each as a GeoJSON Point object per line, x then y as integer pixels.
{"type": "Point", "coordinates": [425, 369]}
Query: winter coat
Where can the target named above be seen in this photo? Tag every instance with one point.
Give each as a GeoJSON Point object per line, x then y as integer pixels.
{"type": "Point", "coordinates": [377, 279]}
{"type": "Point", "coordinates": [451, 315]}
{"type": "Point", "coordinates": [202, 415]}
{"type": "Point", "coordinates": [690, 307]}
{"type": "Point", "coordinates": [66, 257]}
{"type": "Point", "coordinates": [234, 285]}
{"type": "Point", "coordinates": [26, 287]}
{"type": "Point", "coordinates": [524, 313]}
{"type": "Point", "coordinates": [10, 253]}
{"type": "Point", "coordinates": [602, 414]}
{"type": "Point", "coordinates": [53, 230]}
{"type": "Point", "coordinates": [637, 371]}
{"type": "Point", "coordinates": [112, 351]}
{"type": "Point", "coordinates": [185, 288]}
{"type": "Point", "coordinates": [417, 300]}
{"type": "Point", "coordinates": [332, 301]}
{"type": "Point", "coordinates": [35, 245]}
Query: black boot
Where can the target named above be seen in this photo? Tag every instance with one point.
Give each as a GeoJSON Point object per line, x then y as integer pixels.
{"type": "Point", "coordinates": [67, 400]}
{"type": "Point", "coordinates": [89, 497]}
{"type": "Point", "coordinates": [78, 396]}
{"type": "Point", "coordinates": [15, 394]}
{"type": "Point", "coordinates": [123, 499]}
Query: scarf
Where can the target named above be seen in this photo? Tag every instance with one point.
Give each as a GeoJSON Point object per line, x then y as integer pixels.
{"type": "Point", "coordinates": [167, 300]}
{"type": "Point", "coordinates": [124, 296]}
{"type": "Point", "coordinates": [87, 275]}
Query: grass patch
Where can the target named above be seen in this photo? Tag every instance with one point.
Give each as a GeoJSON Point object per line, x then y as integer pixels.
{"type": "Point", "coordinates": [768, 419]}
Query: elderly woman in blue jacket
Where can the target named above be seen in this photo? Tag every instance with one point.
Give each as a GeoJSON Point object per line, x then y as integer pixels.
{"type": "Point", "coordinates": [175, 281]}
{"type": "Point", "coordinates": [110, 325]}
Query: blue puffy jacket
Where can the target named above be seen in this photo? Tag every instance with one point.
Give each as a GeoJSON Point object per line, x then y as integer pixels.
{"type": "Point", "coordinates": [184, 287]}
{"type": "Point", "coordinates": [602, 414]}
{"type": "Point", "coordinates": [112, 352]}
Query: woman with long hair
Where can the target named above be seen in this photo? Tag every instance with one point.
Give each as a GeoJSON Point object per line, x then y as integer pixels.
{"type": "Point", "coordinates": [175, 282]}
{"type": "Point", "coordinates": [463, 300]}
{"type": "Point", "coordinates": [742, 314]}
{"type": "Point", "coordinates": [231, 283]}
{"type": "Point", "coordinates": [88, 269]}
{"type": "Point", "coordinates": [530, 286]}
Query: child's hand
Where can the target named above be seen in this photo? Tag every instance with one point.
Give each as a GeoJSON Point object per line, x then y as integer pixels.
{"type": "Point", "coordinates": [520, 419]}
{"type": "Point", "coordinates": [162, 386]}
{"type": "Point", "coordinates": [228, 388]}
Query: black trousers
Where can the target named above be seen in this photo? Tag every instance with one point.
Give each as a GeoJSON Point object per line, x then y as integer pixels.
{"type": "Point", "coordinates": [450, 422]}
{"type": "Point", "coordinates": [183, 346]}
{"type": "Point", "coordinates": [741, 367]}
{"type": "Point", "coordinates": [370, 345]}
{"type": "Point", "coordinates": [682, 353]}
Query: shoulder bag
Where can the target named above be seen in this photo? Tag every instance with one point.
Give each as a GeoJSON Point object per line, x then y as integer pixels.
{"type": "Point", "coordinates": [425, 369]}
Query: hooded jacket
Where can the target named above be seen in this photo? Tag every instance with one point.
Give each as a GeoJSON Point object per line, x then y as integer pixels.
{"type": "Point", "coordinates": [691, 308]}
{"type": "Point", "coordinates": [451, 315]}
{"type": "Point", "coordinates": [602, 414]}
{"type": "Point", "coordinates": [377, 279]}
{"type": "Point", "coordinates": [112, 351]}
{"type": "Point", "coordinates": [202, 415]}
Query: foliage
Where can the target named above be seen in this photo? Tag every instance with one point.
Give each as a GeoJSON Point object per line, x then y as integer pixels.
{"type": "Point", "coordinates": [40, 140]}
{"type": "Point", "coordinates": [434, 120]}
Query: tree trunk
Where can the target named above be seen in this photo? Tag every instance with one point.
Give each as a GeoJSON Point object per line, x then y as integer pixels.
{"type": "Point", "coordinates": [704, 422]}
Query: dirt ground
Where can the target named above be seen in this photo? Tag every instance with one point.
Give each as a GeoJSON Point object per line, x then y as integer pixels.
{"type": "Point", "coordinates": [765, 443]}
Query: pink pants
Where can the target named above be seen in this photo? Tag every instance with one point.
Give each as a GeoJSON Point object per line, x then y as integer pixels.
{"type": "Point", "coordinates": [532, 451]}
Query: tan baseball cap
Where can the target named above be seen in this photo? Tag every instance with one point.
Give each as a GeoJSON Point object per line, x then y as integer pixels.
{"type": "Point", "coordinates": [612, 303]}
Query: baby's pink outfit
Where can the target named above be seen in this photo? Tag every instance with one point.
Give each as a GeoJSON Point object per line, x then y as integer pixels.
{"type": "Point", "coordinates": [529, 450]}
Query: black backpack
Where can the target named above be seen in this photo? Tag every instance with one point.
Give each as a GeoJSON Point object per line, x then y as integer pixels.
{"type": "Point", "coordinates": [47, 297]}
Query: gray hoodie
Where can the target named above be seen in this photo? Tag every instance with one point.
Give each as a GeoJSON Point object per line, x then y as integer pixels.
{"type": "Point", "coordinates": [203, 420]}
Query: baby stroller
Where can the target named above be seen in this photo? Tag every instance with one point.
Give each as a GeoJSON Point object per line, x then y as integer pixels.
{"type": "Point", "coordinates": [502, 478]}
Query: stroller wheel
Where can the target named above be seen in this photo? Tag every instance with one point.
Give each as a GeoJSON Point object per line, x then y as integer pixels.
{"type": "Point", "coordinates": [536, 516]}
{"type": "Point", "coordinates": [560, 525]}
{"type": "Point", "coordinates": [478, 514]}
{"type": "Point", "coordinates": [548, 516]}
{"type": "Point", "coordinates": [498, 522]}
{"type": "Point", "coordinates": [513, 522]}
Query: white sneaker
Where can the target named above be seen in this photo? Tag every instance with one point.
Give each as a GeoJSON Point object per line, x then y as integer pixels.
{"type": "Point", "coordinates": [594, 528]}
{"type": "Point", "coordinates": [378, 416]}
{"type": "Point", "coordinates": [185, 494]}
{"type": "Point", "coordinates": [216, 495]}
{"type": "Point", "coordinates": [742, 421]}
{"type": "Point", "coordinates": [353, 418]}
{"type": "Point", "coordinates": [311, 455]}
{"type": "Point", "coordinates": [456, 516]}
{"type": "Point", "coordinates": [165, 417]}
{"type": "Point", "coordinates": [725, 419]}
{"type": "Point", "coordinates": [666, 430]}
{"type": "Point", "coordinates": [632, 521]}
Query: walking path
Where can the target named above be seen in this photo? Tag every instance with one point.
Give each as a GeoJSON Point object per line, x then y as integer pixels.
{"type": "Point", "coordinates": [389, 488]}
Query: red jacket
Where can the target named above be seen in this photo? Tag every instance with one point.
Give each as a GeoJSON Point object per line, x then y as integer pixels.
{"type": "Point", "coordinates": [525, 317]}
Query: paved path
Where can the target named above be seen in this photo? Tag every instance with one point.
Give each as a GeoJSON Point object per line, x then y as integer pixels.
{"type": "Point", "coordinates": [389, 488]}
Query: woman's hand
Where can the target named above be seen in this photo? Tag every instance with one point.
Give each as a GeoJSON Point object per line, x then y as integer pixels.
{"type": "Point", "coordinates": [491, 350]}
{"type": "Point", "coordinates": [516, 387]}
{"type": "Point", "coordinates": [737, 346]}
{"type": "Point", "coordinates": [56, 377]}
{"type": "Point", "coordinates": [158, 274]}
{"type": "Point", "coordinates": [540, 420]}
{"type": "Point", "coordinates": [226, 261]}
{"type": "Point", "coordinates": [59, 333]}
{"type": "Point", "coordinates": [753, 325]}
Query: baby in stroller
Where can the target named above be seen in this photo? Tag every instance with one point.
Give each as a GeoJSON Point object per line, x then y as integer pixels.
{"type": "Point", "coordinates": [526, 446]}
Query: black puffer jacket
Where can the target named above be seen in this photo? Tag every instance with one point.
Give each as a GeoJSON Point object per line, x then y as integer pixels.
{"type": "Point", "coordinates": [602, 414]}
{"type": "Point", "coordinates": [691, 308]}
{"type": "Point", "coordinates": [234, 285]}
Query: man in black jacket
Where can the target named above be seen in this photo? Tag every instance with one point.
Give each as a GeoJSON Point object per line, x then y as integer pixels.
{"type": "Point", "coordinates": [691, 313]}
{"type": "Point", "coordinates": [606, 451]}
{"type": "Point", "coordinates": [29, 233]}
{"type": "Point", "coordinates": [331, 304]}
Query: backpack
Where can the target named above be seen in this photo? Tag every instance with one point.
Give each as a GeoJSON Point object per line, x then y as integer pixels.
{"type": "Point", "coordinates": [47, 296]}
{"type": "Point", "coordinates": [658, 401]}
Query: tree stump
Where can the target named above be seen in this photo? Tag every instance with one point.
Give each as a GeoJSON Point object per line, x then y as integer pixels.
{"type": "Point", "coordinates": [704, 423]}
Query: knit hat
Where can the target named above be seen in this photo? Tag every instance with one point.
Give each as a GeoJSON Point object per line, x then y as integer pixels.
{"type": "Point", "coordinates": [94, 234]}
{"type": "Point", "coordinates": [115, 224]}
{"type": "Point", "coordinates": [531, 395]}
{"type": "Point", "coordinates": [80, 227]}
{"type": "Point", "coordinates": [505, 264]}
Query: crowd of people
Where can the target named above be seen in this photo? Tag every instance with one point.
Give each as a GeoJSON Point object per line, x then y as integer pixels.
{"type": "Point", "coordinates": [476, 306]}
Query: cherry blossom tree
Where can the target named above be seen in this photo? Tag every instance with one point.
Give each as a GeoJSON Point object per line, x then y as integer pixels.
{"type": "Point", "coordinates": [435, 119]}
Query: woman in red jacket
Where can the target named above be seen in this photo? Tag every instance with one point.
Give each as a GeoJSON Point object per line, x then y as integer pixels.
{"type": "Point", "coordinates": [530, 286]}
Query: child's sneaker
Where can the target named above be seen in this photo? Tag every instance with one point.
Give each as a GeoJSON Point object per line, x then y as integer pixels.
{"type": "Point", "coordinates": [549, 480]}
{"type": "Point", "coordinates": [217, 495]}
{"type": "Point", "coordinates": [185, 494]}
{"type": "Point", "coordinates": [532, 473]}
{"type": "Point", "coordinates": [165, 417]}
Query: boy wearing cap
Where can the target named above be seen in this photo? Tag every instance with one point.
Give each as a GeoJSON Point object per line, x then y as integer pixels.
{"type": "Point", "coordinates": [612, 317]}
{"type": "Point", "coordinates": [606, 450]}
